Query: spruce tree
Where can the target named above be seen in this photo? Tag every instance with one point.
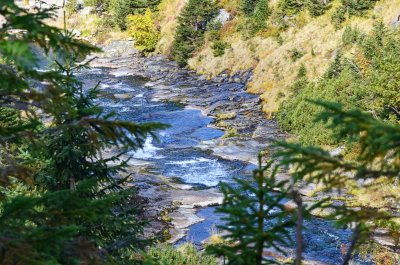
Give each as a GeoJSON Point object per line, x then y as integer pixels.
{"type": "Point", "coordinates": [248, 6]}
{"type": "Point", "coordinates": [255, 218]}
{"type": "Point", "coordinates": [62, 202]}
{"type": "Point", "coordinates": [192, 24]}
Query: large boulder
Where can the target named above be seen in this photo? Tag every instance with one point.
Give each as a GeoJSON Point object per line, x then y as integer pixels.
{"type": "Point", "coordinates": [223, 17]}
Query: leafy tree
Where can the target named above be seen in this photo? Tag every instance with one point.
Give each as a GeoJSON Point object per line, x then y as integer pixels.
{"type": "Point", "coordinates": [62, 202]}
{"type": "Point", "coordinates": [192, 24]}
{"type": "Point", "coordinates": [120, 9]}
{"type": "Point", "coordinates": [143, 30]}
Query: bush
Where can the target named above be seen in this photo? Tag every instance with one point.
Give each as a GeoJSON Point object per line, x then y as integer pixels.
{"type": "Point", "coordinates": [120, 9]}
{"type": "Point", "coordinates": [358, 7]}
{"type": "Point", "coordinates": [290, 7]}
{"type": "Point", "coordinates": [248, 6]}
{"type": "Point", "coordinates": [352, 36]}
{"type": "Point", "coordinates": [143, 30]}
{"type": "Point", "coordinates": [219, 47]}
{"type": "Point", "coordinates": [192, 24]}
{"type": "Point", "coordinates": [184, 255]}
{"type": "Point", "coordinates": [295, 54]}
{"type": "Point", "coordinates": [260, 16]}
{"type": "Point", "coordinates": [338, 17]}
{"type": "Point", "coordinates": [317, 7]}
{"type": "Point", "coordinates": [351, 8]}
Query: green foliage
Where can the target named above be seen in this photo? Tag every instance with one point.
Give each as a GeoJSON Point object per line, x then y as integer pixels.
{"type": "Point", "coordinates": [256, 218]}
{"type": "Point", "coordinates": [71, 7]}
{"type": "Point", "coordinates": [338, 17]}
{"type": "Point", "coordinates": [351, 8]}
{"type": "Point", "coordinates": [120, 9]}
{"type": "Point", "coordinates": [144, 31]}
{"type": "Point", "coordinates": [255, 18]}
{"type": "Point", "coordinates": [219, 47]}
{"type": "Point", "coordinates": [376, 154]}
{"type": "Point", "coordinates": [368, 81]}
{"type": "Point", "coordinates": [192, 24]}
{"type": "Point", "coordinates": [352, 36]}
{"type": "Point", "coordinates": [300, 82]}
{"type": "Point", "coordinates": [260, 16]}
{"type": "Point", "coordinates": [290, 7]}
{"type": "Point", "coordinates": [358, 7]}
{"type": "Point", "coordinates": [295, 54]}
{"type": "Point", "coordinates": [62, 202]}
{"type": "Point", "coordinates": [248, 6]}
{"type": "Point", "coordinates": [317, 7]}
{"type": "Point", "coordinates": [184, 255]}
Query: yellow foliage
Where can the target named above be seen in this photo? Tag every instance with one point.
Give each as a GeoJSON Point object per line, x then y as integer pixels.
{"type": "Point", "coordinates": [143, 30]}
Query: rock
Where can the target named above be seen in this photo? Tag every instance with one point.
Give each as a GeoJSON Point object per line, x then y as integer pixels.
{"type": "Point", "coordinates": [87, 10]}
{"type": "Point", "coordinates": [123, 96]}
{"type": "Point", "coordinates": [223, 17]}
{"type": "Point", "coordinates": [396, 21]}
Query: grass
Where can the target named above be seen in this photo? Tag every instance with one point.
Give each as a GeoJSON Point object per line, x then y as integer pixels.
{"type": "Point", "coordinates": [225, 116]}
{"type": "Point", "coordinates": [186, 254]}
{"type": "Point", "coordinates": [267, 53]}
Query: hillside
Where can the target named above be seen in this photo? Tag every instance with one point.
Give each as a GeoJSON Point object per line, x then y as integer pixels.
{"type": "Point", "coordinates": [269, 52]}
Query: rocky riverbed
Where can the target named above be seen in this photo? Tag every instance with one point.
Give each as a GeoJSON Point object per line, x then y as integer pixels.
{"type": "Point", "coordinates": [217, 130]}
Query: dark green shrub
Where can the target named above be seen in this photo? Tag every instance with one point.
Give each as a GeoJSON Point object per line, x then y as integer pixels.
{"type": "Point", "coordinates": [219, 47]}
{"type": "Point", "coordinates": [352, 36]}
{"type": "Point", "coordinates": [192, 25]}
{"type": "Point", "coordinates": [290, 7]}
{"type": "Point", "coordinates": [186, 254]}
{"type": "Point", "coordinates": [317, 7]}
{"type": "Point", "coordinates": [295, 54]}
{"type": "Point", "coordinates": [351, 8]}
{"type": "Point", "coordinates": [358, 7]}
{"type": "Point", "coordinates": [260, 16]}
{"type": "Point", "coordinates": [338, 17]}
{"type": "Point", "coordinates": [248, 6]}
{"type": "Point", "coordinates": [120, 9]}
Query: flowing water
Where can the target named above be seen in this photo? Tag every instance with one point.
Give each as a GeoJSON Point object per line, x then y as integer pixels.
{"type": "Point", "coordinates": [176, 154]}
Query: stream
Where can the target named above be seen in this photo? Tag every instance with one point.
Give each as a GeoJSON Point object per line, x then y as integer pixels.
{"type": "Point", "coordinates": [179, 153]}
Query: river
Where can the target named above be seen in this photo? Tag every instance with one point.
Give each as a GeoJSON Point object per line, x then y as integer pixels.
{"type": "Point", "coordinates": [193, 151]}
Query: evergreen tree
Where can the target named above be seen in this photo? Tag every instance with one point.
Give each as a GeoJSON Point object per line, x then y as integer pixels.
{"type": "Point", "coordinates": [260, 15]}
{"type": "Point", "coordinates": [317, 7]}
{"type": "Point", "coordinates": [290, 7]}
{"type": "Point", "coordinates": [248, 6]}
{"type": "Point", "coordinates": [375, 156]}
{"type": "Point", "coordinates": [192, 24]}
{"type": "Point", "coordinates": [62, 202]}
{"type": "Point", "coordinates": [256, 218]}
